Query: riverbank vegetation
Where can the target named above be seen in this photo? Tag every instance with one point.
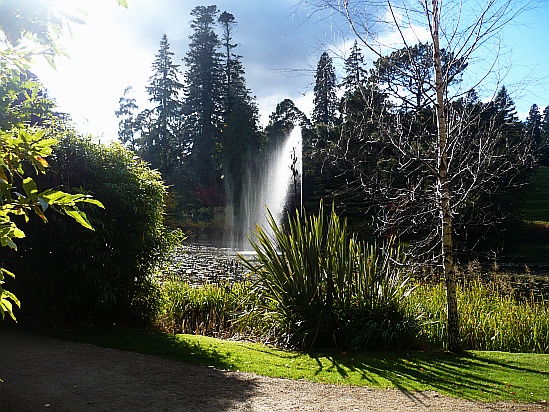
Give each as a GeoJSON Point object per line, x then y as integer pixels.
{"type": "Point", "coordinates": [314, 285]}
{"type": "Point", "coordinates": [492, 318]}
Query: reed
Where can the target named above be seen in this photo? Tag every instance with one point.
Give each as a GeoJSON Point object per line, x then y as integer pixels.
{"type": "Point", "coordinates": [492, 317]}
{"type": "Point", "coordinates": [208, 309]}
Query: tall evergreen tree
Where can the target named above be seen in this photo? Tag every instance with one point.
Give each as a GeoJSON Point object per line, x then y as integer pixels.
{"type": "Point", "coordinates": [239, 134]}
{"type": "Point", "coordinates": [353, 83]}
{"type": "Point", "coordinates": [544, 137]}
{"type": "Point", "coordinates": [533, 126]}
{"type": "Point", "coordinates": [545, 123]}
{"type": "Point", "coordinates": [506, 116]}
{"type": "Point", "coordinates": [163, 89]}
{"type": "Point", "coordinates": [203, 91]}
{"type": "Point", "coordinates": [127, 125]}
{"type": "Point", "coordinates": [325, 100]}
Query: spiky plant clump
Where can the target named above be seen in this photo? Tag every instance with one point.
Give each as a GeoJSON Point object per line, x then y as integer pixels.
{"type": "Point", "coordinates": [320, 286]}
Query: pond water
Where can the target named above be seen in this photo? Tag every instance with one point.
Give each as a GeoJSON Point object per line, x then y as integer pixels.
{"type": "Point", "coordinates": [199, 264]}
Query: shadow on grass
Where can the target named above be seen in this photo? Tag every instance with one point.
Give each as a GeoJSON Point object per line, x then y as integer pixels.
{"type": "Point", "coordinates": [40, 370]}
{"type": "Point", "coordinates": [470, 375]}
{"type": "Point", "coordinates": [485, 376]}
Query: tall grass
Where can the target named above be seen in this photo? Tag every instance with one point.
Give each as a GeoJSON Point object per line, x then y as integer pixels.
{"type": "Point", "coordinates": [208, 309]}
{"type": "Point", "coordinates": [319, 286]}
{"type": "Point", "coordinates": [491, 317]}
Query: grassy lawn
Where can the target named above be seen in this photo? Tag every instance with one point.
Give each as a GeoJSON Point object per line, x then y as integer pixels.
{"type": "Point", "coordinates": [475, 375]}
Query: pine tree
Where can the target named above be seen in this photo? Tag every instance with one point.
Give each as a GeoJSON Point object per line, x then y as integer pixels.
{"type": "Point", "coordinates": [163, 89]}
{"type": "Point", "coordinates": [128, 124]}
{"type": "Point", "coordinates": [203, 91]}
{"type": "Point", "coordinates": [506, 117]}
{"type": "Point", "coordinates": [533, 126]}
{"type": "Point", "coordinates": [325, 100]}
{"type": "Point", "coordinates": [355, 73]}
{"type": "Point", "coordinates": [544, 137]}
{"type": "Point", "coordinates": [239, 134]}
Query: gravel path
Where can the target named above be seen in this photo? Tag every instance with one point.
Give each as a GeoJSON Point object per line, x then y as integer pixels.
{"type": "Point", "coordinates": [40, 374]}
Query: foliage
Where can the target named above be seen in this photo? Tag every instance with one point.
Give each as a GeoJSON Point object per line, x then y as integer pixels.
{"type": "Point", "coordinates": [321, 287]}
{"type": "Point", "coordinates": [23, 103]}
{"type": "Point", "coordinates": [160, 144]}
{"type": "Point", "coordinates": [22, 147]}
{"type": "Point", "coordinates": [325, 101]}
{"type": "Point", "coordinates": [492, 317]}
{"type": "Point", "coordinates": [208, 309]}
{"type": "Point", "coordinates": [105, 275]}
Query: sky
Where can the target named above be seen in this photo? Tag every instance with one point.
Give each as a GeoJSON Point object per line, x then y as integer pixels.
{"type": "Point", "coordinates": [280, 42]}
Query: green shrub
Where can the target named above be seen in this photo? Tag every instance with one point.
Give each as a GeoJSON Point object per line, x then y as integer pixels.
{"type": "Point", "coordinates": [99, 276]}
{"type": "Point", "coordinates": [318, 286]}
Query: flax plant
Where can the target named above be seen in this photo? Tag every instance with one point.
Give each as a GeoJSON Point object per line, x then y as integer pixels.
{"type": "Point", "coordinates": [320, 286]}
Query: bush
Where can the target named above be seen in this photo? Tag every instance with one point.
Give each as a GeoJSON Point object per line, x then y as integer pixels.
{"type": "Point", "coordinates": [320, 287]}
{"type": "Point", "coordinates": [104, 275]}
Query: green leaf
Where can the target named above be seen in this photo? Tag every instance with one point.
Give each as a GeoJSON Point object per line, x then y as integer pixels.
{"type": "Point", "coordinates": [30, 188]}
{"type": "Point", "coordinates": [123, 3]}
{"type": "Point", "coordinates": [80, 217]}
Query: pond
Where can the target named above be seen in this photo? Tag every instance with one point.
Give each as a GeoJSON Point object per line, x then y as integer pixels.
{"type": "Point", "coordinates": [200, 263]}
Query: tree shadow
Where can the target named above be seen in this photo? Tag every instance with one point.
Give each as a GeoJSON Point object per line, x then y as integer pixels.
{"type": "Point", "coordinates": [467, 375]}
{"type": "Point", "coordinates": [39, 370]}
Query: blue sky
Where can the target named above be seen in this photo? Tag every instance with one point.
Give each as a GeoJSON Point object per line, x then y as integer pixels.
{"type": "Point", "coordinates": [279, 41]}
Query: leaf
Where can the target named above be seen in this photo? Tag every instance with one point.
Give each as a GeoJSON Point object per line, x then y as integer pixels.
{"type": "Point", "coordinates": [80, 217]}
{"type": "Point", "coordinates": [7, 272]}
{"type": "Point", "coordinates": [123, 3]}
{"type": "Point", "coordinates": [41, 160]}
{"type": "Point", "coordinates": [30, 188]}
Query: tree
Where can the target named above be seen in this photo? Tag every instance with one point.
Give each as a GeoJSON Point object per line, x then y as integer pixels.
{"type": "Point", "coordinates": [325, 100]}
{"type": "Point", "coordinates": [128, 125]}
{"type": "Point", "coordinates": [407, 73]}
{"type": "Point", "coordinates": [544, 137]}
{"type": "Point", "coordinates": [354, 82]}
{"type": "Point", "coordinates": [447, 183]}
{"type": "Point", "coordinates": [533, 126]}
{"type": "Point", "coordinates": [161, 142]}
{"type": "Point", "coordinates": [203, 88]}
{"type": "Point", "coordinates": [239, 137]}
{"type": "Point", "coordinates": [101, 276]}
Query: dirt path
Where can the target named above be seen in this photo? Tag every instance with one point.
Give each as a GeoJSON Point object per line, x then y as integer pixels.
{"type": "Point", "coordinates": [46, 374]}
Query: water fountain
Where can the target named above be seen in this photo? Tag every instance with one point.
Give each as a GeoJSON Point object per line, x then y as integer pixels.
{"type": "Point", "coordinates": [276, 187]}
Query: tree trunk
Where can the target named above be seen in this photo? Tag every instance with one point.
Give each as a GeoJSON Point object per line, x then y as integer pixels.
{"type": "Point", "coordinates": [454, 342]}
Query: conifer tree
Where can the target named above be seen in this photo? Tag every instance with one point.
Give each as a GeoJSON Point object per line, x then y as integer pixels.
{"type": "Point", "coordinates": [325, 100]}
{"type": "Point", "coordinates": [239, 135]}
{"type": "Point", "coordinates": [533, 126]}
{"type": "Point", "coordinates": [203, 91]}
{"type": "Point", "coordinates": [506, 116]}
{"type": "Point", "coordinates": [353, 83]}
{"type": "Point", "coordinates": [544, 137]}
{"type": "Point", "coordinates": [163, 89]}
{"type": "Point", "coordinates": [128, 124]}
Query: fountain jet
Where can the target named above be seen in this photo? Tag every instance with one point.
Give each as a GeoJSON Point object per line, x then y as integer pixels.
{"type": "Point", "coordinates": [275, 186]}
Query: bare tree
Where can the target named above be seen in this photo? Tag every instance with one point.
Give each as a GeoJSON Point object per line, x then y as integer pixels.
{"type": "Point", "coordinates": [451, 148]}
